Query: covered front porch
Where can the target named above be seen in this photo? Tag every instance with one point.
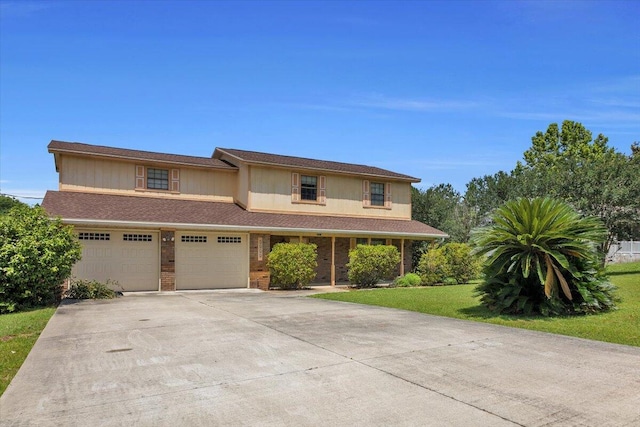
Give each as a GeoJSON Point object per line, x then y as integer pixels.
{"type": "Point", "coordinates": [333, 254]}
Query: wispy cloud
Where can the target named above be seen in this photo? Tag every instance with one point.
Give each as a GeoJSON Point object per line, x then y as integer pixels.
{"type": "Point", "coordinates": [613, 103]}
{"type": "Point", "coordinates": [622, 85]}
{"type": "Point", "coordinates": [448, 163]}
{"type": "Point", "coordinates": [617, 102]}
{"type": "Point", "coordinates": [21, 9]}
{"type": "Point", "coordinates": [615, 116]}
{"type": "Point", "coordinates": [381, 103]}
{"type": "Point", "coordinates": [413, 104]}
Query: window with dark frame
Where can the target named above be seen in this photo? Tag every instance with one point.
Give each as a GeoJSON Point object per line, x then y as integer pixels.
{"type": "Point", "coordinates": [157, 179]}
{"type": "Point", "coordinates": [377, 194]}
{"type": "Point", "coordinates": [309, 187]}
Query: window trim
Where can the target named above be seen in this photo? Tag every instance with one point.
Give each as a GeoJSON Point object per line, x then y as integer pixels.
{"type": "Point", "coordinates": [142, 179]}
{"type": "Point", "coordinates": [367, 193]}
{"type": "Point", "coordinates": [157, 176]}
{"type": "Point", "coordinates": [296, 189]}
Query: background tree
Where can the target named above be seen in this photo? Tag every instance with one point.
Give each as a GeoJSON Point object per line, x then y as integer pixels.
{"type": "Point", "coordinates": [569, 164]}
{"type": "Point", "coordinates": [485, 194]}
{"type": "Point", "coordinates": [573, 140]}
{"type": "Point", "coordinates": [442, 207]}
{"type": "Point", "coordinates": [7, 202]}
{"type": "Point", "coordinates": [436, 206]}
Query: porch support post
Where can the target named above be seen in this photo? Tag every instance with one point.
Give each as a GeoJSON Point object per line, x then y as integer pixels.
{"type": "Point", "coordinates": [333, 260]}
{"type": "Point", "coordinates": [402, 257]}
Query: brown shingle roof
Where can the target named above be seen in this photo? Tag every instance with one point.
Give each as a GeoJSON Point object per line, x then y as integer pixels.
{"type": "Point", "coordinates": [124, 153]}
{"type": "Point", "coordinates": [102, 209]}
{"type": "Point", "coordinates": [304, 163]}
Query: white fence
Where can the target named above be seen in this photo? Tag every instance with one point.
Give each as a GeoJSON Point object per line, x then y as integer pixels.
{"type": "Point", "coordinates": [626, 251]}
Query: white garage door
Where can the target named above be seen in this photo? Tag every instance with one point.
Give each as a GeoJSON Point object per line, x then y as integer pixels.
{"type": "Point", "coordinates": [129, 257]}
{"type": "Point", "coordinates": [211, 261]}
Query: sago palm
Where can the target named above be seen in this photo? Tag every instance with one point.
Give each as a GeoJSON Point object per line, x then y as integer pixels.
{"type": "Point", "coordinates": [541, 256]}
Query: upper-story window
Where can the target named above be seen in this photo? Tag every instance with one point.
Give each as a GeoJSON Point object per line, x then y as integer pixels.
{"type": "Point", "coordinates": [157, 179]}
{"type": "Point", "coordinates": [154, 178]}
{"type": "Point", "coordinates": [308, 189]}
{"type": "Point", "coordinates": [376, 194]}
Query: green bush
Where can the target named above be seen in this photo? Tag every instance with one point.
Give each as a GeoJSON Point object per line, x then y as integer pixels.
{"type": "Point", "coordinates": [449, 264]}
{"type": "Point", "coordinates": [462, 264]}
{"type": "Point", "coordinates": [368, 264]}
{"type": "Point", "coordinates": [450, 281]}
{"type": "Point", "coordinates": [36, 255]}
{"type": "Point", "coordinates": [432, 267]}
{"type": "Point", "coordinates": [92, 289]}
{"type": "Point", "coordinates": [292, 265]}
{"type": "Point", "coordinates": [408, 280]}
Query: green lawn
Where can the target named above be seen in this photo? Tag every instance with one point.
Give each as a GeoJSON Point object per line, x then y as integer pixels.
{"type": "Point", "coordinates": [621, 326]}
{"type": "Point", "coordinates": [18, 333]}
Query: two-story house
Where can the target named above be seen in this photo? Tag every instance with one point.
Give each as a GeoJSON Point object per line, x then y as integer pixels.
{"type": "Point", "coordinates": [155, 221]}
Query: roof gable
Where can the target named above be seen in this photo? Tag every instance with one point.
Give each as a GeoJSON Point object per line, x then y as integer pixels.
{"type": "Point", "coordinates": [254, 157]}
{"type": "Point", "coordinates": [135, 155]}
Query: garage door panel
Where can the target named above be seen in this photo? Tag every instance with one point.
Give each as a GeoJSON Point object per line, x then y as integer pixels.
{"type": "Point", "coordinates": [130, 258]}
{"type": "Point", "coordinates": [211, 261]}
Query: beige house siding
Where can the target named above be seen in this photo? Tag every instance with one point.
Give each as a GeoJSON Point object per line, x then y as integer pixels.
{"type": "Point", "coordinates": [242, 185]}
{"type": "Point", "coordinates": [95, 175]}
{"type": "Point", "coordinates": [271, 191]}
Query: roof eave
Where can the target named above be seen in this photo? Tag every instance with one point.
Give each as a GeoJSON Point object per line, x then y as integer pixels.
{"type": "Point", "coordinates": [249, 228]}
{"type": "Point", "coordinates": [55, 151]}
{"type": "Point", "coordinates": [336, 171]}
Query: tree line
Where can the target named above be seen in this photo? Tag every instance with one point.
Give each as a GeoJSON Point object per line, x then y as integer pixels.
{"type": "Point", "coordinates": [565, 162]}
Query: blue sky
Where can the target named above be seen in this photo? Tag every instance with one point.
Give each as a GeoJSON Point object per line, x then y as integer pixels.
{"type": "Point", "coordinates": [444, 91]}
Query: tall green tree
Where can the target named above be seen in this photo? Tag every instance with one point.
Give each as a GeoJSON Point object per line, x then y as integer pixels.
{"type": "Point", "coordinates": [572, 140]}
{"type": "Point", "coordinates": [488, 192]}
{"type": "Point", "coordinates": [568, 163]}
{"type": "Point", "coordinates": [442, 207]}
{"type": "Point", "coordinates": [542, 258]}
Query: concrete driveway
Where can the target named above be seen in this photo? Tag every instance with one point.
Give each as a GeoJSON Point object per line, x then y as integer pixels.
{"type": "Point", "coordinates": [270, 359]}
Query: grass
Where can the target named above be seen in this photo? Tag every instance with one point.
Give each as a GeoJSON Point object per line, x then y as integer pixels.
{"type": "Point", "coordinates": [621, 326]}
{"type": "Point", "coordinates": [18, 333]}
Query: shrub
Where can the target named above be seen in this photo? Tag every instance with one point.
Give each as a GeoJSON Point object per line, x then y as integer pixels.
{"type": "Point", "coordinates": [450, 281]}
{"type": "Point", "coordinates": [542, 258]}
{"type": "Point", "coordinates": [292, 265]}
{"type": "Point", "coordinates": [462, 265]}
{"type": "Point", "coordinates": [91, 289]}
{"type": "Point", "coordinates": [368, 264]}
{"type": "Point", "coordinates": [449, 264]}
{"type": "Point", "coordinates": [408, 280]}
{"type": "Point", "coordinates": [432, 267]}
{"type": "Point", "coordinates": [36, 255]}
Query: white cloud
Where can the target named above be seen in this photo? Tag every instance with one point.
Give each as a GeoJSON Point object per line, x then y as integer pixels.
{"type": "Point", "coordinates": [385, 103]}
{"type": "Point", "coordinates": [417, 105]}
{"type": "Point", "coordinates": [19, 9]}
